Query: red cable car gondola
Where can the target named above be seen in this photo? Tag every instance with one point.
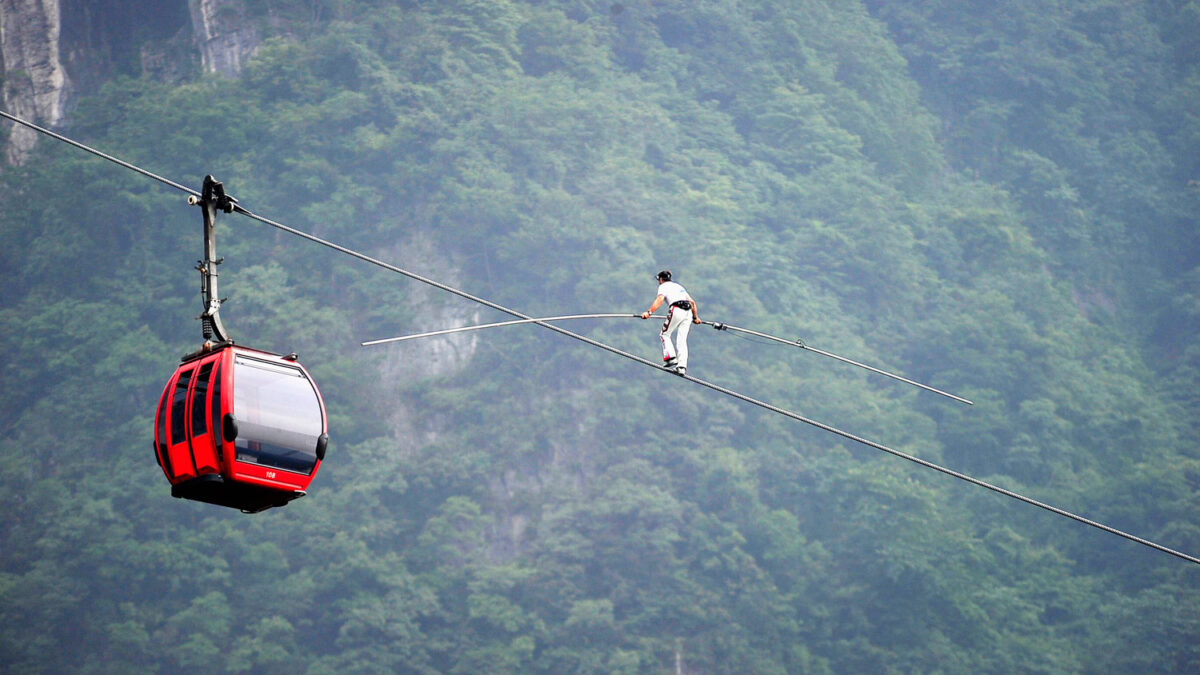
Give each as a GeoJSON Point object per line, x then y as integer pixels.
{"type": "Point", "coordinates": [237, 427]}
{"type": "Point", "coordinates": [240, 428]}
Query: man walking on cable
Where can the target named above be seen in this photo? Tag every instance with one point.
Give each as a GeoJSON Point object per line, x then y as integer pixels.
{"type": "Point", "coordinates": [681, 314]}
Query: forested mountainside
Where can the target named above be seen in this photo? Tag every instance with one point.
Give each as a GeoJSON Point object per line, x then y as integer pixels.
{"type": "Point", "coordinates": [998, 198]}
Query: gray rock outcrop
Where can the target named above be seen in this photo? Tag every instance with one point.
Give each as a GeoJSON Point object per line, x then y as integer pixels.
{"type": "Point", "coordinates": [54, 50]}
{"type": "Point", "coordinates": [224, 35]}
{"type": "Point", "coordinates": [36, 84]}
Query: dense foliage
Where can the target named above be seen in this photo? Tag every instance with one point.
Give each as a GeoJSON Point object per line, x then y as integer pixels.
{"type": "Point", "coordinates": [996, 197]}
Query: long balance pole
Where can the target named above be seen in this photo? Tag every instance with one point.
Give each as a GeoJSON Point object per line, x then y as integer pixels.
{"type": "Point", "coordinates": [463, 329]}
{"type": "Point", "coordinates": [714, 324]}
{"type": "Point", "coordinates": [801, 345]}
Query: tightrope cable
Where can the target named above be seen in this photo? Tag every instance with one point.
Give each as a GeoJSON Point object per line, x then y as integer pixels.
{"type": "Point", "coordinates": [600, 345]}
{"type": "Point", "coordinates": [114, 160]}
{"type": "Point", "coordinates": [728, 392]}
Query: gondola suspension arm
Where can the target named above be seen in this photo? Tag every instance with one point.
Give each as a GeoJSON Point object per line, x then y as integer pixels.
{"type": "Point", "coordinates": [212, 199]}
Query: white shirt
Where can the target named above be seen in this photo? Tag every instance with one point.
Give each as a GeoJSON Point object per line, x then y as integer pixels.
{"type": "Point", "coordinates": [673, 292]}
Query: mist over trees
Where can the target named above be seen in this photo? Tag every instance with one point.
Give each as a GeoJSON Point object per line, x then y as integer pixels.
{"type": "Point", "coordinates": [997, 198]}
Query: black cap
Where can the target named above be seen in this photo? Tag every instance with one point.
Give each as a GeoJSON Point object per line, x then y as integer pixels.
{"type": "Point", "coordinates": [664, 275]}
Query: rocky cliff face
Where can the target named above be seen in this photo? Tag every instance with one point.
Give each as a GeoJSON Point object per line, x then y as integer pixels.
{"type": "Point", "coordinates": [432, 357]}
{"type": "Point", "coordinates": [35, 83]}
{"type": "Point", "coordinates": [224, 34]}
{"type": "Point", "coordinates": [54, 50]}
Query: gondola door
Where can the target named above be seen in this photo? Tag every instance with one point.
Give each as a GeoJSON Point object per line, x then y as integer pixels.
{"type": "Point", "coordinates": [185, 444]}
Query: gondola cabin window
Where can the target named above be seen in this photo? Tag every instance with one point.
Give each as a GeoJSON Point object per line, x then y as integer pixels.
{"type": "Point", "coordinates": [278, 415]}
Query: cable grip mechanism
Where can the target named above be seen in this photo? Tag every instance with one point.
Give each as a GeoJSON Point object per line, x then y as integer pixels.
{"type": "Point", "coordinates": [211, 200]}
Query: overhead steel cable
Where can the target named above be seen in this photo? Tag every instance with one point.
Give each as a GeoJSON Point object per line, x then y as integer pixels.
{"type": "Point", "coordinates": [715, 387]}
{"type": "Point", "coordinates": [114, 160]}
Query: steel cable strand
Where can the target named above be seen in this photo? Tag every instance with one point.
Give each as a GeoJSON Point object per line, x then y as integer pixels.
{"type": "Point", "coordinates": [595, 343]}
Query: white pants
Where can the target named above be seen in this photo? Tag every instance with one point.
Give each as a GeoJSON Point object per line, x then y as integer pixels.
{"type": "Point", "coordinates": [677, 320]}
